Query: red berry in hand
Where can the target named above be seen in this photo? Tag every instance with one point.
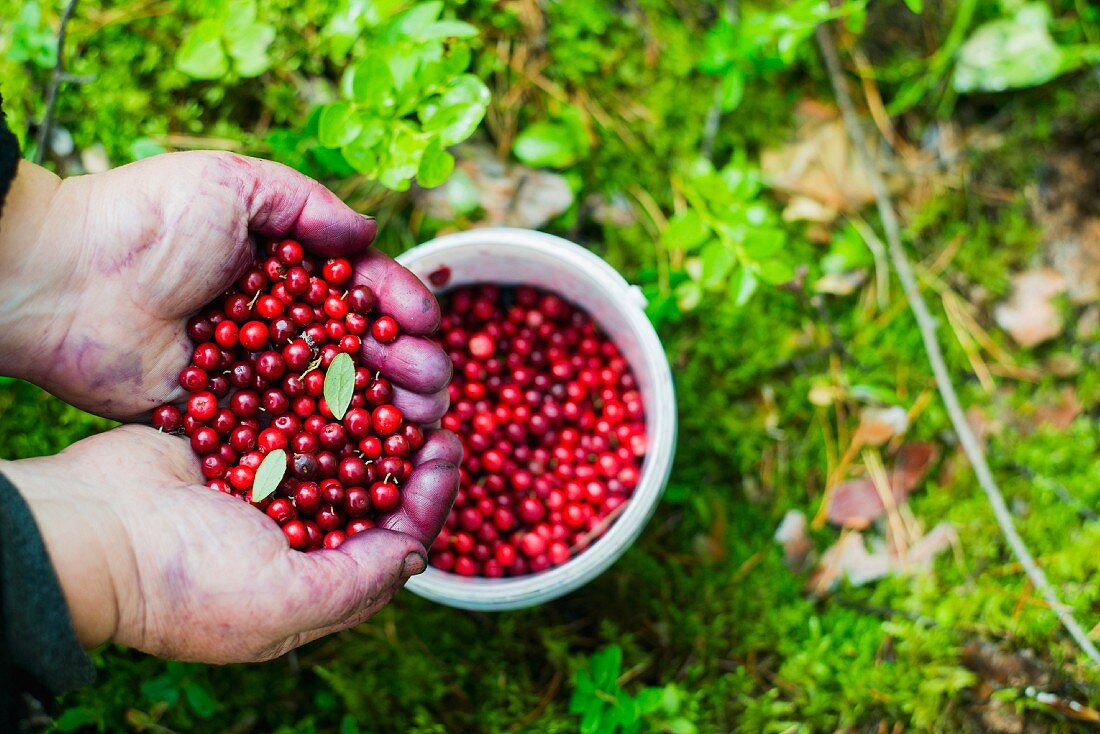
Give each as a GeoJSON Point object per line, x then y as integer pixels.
{"type": "Point", "coordinates": [361, 300]}
{"type": "Point", "coordinates": [334, 539]}
{"type": "Point", "coordinates": [207, 356]}
{"type": "Point", "coordinates": [384, 496]}
{"type": "Point", "coordinates": [384, 329]}
{"type": "Point", "coordinates": [336, 307]}
{"type": "Point", "coordinates": [253, 335]}
{"type": "Point", "coordinates": [307, 498]}
{"type": "Point", "coordinates": [337, 271]}
{"type": "Point", "coordinates": [386, 419]}
{"type": "Point", "coordinates": [202, 406]}
{"type": "Point", "coordinates": [226, 334]}
{"type": "Point", "coordinates": [297, 534]}
{"type": "Point", "coordinates": [167, 418]}
{"type": "Point", "coordinates": [289, 253]}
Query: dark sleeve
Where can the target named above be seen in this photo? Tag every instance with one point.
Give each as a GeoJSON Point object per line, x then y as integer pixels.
{"type": "Point", "coordinates": [40, 656]}
{"type": "Point", "coordinates": [9, 156]}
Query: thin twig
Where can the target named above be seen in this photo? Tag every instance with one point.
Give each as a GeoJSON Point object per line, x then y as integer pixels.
{"type": "Point", "coordinates": [927, 325]}
{"type": "Point", "coordinates": [58, 76]}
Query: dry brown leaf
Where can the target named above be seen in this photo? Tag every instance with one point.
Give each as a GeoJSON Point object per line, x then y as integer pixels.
{"type": "Point", "coordinates": [1062, 414]}
{"type": "Point", "coordinates": [819, 170]}
{"type": "Point", "coordinates": [793, 535]}
{"type": "Point", "coordinates": [509, 194]}
{"type": "Point", "coordinates": [850, 558]}
{"type": "Point", "coordinates": [840, 284]}
{"type": "Point", "coordinates": [1029, 316]}
{"type": "Point", "coordinates": [1066, 211]}
{"type": "Point", "coordinates": [912, 463]}
{"type": "Point", "coordinates": [856, 503]}
{"type": "Point", "coordinates": [879, 425]}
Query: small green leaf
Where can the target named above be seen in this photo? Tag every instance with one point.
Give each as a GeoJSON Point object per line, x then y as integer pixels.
{"type": "Point", "coordinates": [248, 47]}
{"type": "Point", "coordinates": [75, 719]}
{"type": "Point", "coordinates": [606, 666]}
{"type": "Point", "coordinates": [338, 125]}
{"type": "Point", "coordinates": [686, 231]}
{"type": "Point", "coordinates": [732, 89]}
{"type": "Point", "coordinates": [271, 472]}
{"type": "Point", "coordinates": [201, 55]}
{"type": "Point", "coordinates": [436, 165]}
{"type": "Point", "coordinates": [199, 699]}
{"type": "Point", "coordinates": [915, 5]}
{"type": "Point", "coordinates": [340, 384]}
{"type": "Point", "coordinates": [161, 688]}
{"type": "Point", "coordinates": [718, 260]}
{"type": "Point", "coordinates": [545, 144]}
{"type": "Point", "coordinates": [775, 272]}
{"type": "Point", "coordinates": [456, 113]}
{"type": "Point", "coordinates": [447, 28]}
{"type": "Point", "coordinates": [743, 285]}
{"type": "Point", "coordinates": [417, 19]}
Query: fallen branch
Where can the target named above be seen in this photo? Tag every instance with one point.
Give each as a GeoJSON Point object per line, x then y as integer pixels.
{"type": "Point", "coordinates": [927, 325]}
{"type": "Point", "coordinates": [58, 76]}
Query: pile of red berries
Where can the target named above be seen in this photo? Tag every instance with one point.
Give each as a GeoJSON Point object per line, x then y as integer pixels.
{"type": "Point", "coordinates": [553, 426]}
{"type": "Point", "coordinates": [265, 359]}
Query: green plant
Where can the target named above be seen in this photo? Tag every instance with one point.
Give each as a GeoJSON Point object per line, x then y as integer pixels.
{"type": "Point", "coordinates": [730, 238]}
{"type": "Point", "coordinates": [558, 142]}
{"type": "Point", "coordinates": [228, 37]}
{"type": "Point", "coordinates": [1016, 52]}
{"type": "Point", "coordinates": [31, 40]}
{"type": "Point", "coordinates": [605, 708]}
{"type": "Point", "coordinates": [407, 97]}
{"type": "Point", "coordinates": [759, 40]}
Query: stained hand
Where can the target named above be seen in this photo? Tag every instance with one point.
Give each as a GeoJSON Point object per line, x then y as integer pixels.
{"type": "Point", "coordinates": [149, 559]}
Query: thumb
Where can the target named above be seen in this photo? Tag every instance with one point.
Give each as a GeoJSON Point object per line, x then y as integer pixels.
{"type": "Point", "coordinates": [337, 589]}
{"type": "Point", "coordinates": [282, 202]}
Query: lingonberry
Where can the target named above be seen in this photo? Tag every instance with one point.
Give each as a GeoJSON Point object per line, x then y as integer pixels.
{"type": "Point", "coordinates": [386, 419]}
{"type": "Point", "coordinates": [297, 534]}
{"type": "Point", "coordinates": [384, 329]}
{"type": "Point", "coordinates": [167, 418]}
{"type": "Point", "coordinates": [361, 300]}
{"type": "Point", "coordinates": [384, 496]}
{"type": "Point", "coordinates": [337, 271]}
{"type": "Point", "coordinates": [289, 253]}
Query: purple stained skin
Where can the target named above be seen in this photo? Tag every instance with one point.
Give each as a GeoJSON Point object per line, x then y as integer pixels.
{"type": "Point", "coordinates": [133, 252]}
{"type": "Point", "coordinates": [124, 258]}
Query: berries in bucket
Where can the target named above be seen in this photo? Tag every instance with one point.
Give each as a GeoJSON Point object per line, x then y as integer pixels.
{"type": "Point", "coordinates": [553, 426]}
{"type": "Point", "coordinates": [281, 412]}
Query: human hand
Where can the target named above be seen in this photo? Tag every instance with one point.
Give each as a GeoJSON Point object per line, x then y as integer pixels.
{"type": "Point", "coordinates": [99, 273]}
{"type": "Point", "coordinates": [149, 559]}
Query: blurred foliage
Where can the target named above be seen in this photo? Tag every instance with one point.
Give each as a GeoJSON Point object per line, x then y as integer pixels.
{"type": "Point", "coordinates": [663, 107]}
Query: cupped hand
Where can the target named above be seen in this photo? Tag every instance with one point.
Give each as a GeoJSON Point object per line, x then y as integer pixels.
{"type": "Point", "coordinates": [123, 258]}
{"type": "Point", "coordinates": [150, 559]}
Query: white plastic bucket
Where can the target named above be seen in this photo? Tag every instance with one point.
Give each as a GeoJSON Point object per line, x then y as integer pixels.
{"type": "Point", "coordinates": [518, 256]}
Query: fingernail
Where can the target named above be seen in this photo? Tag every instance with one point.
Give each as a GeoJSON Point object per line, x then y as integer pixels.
{"type": "Point", "coordinates": [414, 564]}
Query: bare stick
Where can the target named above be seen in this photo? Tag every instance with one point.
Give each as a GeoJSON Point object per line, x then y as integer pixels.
{"type": "Point", "coordinates": [927, 325]}
{"type": "Point", "coordinates": [58, 76]}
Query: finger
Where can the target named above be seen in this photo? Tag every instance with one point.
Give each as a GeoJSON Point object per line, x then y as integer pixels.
{"type": "Point", "coordinates": [411, 362]}
{"type": "Point", "coordinates": [442, 445]}
{"type": "Point", "coordinates": [338, 588]}
{"type": "Point", "coordinates": [400, 293]}
{"type": "Point", "coordinates": [282, 202]}
{"type": "Point", "coordinates": [419, 407]}
{"type": "Point", "coordinates": [426, 499]}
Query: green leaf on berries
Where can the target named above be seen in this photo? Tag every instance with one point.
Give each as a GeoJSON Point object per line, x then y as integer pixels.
{"type": "Point", "coordinates": [268, 476]}
{"type": "Point", "coordinates": [340, 384]}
